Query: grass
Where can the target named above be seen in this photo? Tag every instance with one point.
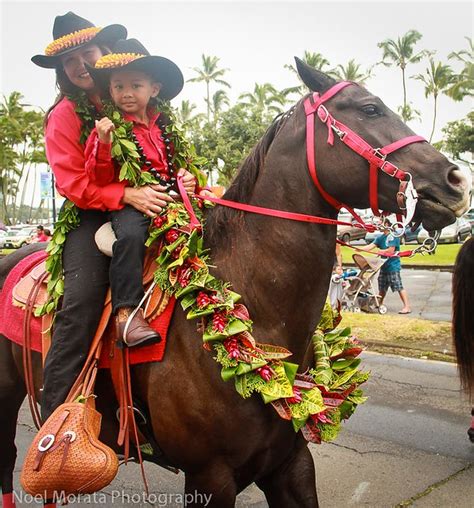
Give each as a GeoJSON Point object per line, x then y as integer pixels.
{"type": "Point", "coordinates": [4, 252]}
{"type": "Point", "coordinates": [402, 335]}
{"type": "Point", "coordinates": [445, 255]}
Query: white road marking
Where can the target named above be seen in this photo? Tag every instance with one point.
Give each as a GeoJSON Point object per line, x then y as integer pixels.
{"type": "Point", "coordinates": [359, 492]}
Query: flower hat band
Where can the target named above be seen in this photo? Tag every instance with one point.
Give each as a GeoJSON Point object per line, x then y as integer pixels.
{"type": "Point", "coordinates": [71, 32]}
{"type": "Point", "coordinates": [131, 55]}
{"type": "Point", "coordinates": [116, 60]}
{"type": "Point", "coordinates": [70, 40]}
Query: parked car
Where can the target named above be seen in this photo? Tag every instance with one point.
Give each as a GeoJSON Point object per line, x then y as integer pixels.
{"type": "Point", "coordinates": [407, 237]}
{"type": "Point", "coordinates": [3, 234]}
{"type": "Point", "coordinates": [16, 239]}
{"type": "Point", "coordinates": [469, 216]}
{"type": "Point", "coordinates": [349, 233]}
{"type": "Point", "coordinates": [454, 233]}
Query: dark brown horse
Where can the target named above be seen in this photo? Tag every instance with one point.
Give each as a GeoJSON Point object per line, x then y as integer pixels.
{"type": "Point", "coordinates": [282, 268]}
{"type": "Point", "coordinates": [463, 319]}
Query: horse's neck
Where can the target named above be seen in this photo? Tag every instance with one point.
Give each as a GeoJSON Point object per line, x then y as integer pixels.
{"type": "Point", "coordinates": [280, 267]}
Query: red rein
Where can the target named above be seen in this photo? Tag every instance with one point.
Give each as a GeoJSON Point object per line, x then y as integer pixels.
{"type": "Point", "coordinates": [376, 157]}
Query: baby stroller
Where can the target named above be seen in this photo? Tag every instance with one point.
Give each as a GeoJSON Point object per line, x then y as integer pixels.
{"type": "Point", "coordinates": [360, 290]}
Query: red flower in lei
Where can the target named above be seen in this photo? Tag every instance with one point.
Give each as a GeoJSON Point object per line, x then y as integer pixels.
{"type": "Point", "coordinates": [265, 372]}
{"type": "Point", "coordinates": [158, 221]}
{"type": "Point", "coordinates": [297, 398]}
{"type": "Point", "coordinates": [219, 321]}
{"type": "Point", "coordinates": [232, 347]}
{"type": "Point", "coordinates": [171, 235]}
{"type": "Point", "coordinates": [184, 276]}
{"type": "Point", "coordinates": [203, 299]}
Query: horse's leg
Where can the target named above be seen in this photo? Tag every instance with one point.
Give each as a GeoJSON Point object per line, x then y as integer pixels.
{"type": "Point", "coordinates": [213, 487]}
{"type": "Point", "coordinates": [293, 483]}
{"type": "Point", "coordinates": [12, 393]}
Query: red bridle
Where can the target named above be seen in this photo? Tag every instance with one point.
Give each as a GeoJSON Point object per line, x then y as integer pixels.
{"type": "Point", "coordinates": [406, 196]}
{"type": "Point", "coordinates": [376, 157]}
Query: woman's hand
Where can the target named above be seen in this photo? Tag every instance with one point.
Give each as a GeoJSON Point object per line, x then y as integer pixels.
{"type": "Point", "coordinates": [189, 181]}
{"type": "Point", "coordinates": [104, 128]}
{"type": "Point", "coordinates": [149, 199]}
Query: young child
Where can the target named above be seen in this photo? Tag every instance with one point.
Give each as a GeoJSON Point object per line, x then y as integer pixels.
{"type": "Point", "coordinates": [133, 79]}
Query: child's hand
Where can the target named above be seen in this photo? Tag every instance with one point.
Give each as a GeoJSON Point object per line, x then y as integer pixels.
{"type": "Point", "coordinates": [104, 128]}
{"type": "Point", "coordinates": [189, 181]}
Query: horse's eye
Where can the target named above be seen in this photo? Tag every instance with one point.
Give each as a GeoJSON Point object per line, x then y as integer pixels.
{"type": "Point", "coordinates": [371, 110]}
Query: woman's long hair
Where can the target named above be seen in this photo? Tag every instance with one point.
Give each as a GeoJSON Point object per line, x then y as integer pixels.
{"type": "Point", "coordinates": [463, 314]}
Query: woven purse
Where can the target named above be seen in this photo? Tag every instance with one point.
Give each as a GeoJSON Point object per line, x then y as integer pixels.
{"type": "Point", "coordinates": [66, 456]}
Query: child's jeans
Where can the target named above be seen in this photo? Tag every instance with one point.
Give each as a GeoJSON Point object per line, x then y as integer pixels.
{"type": "Point", "coordinates": [126, 268]}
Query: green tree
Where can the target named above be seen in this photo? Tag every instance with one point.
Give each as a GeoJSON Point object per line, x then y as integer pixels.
{"type": "Point", "coordinates": [226, 146]}
{"type": "Point", "coordinates": [458, 138]}
{"type": "Point", "coordinates": [352, 71]}
{"type": "Point", "coordinates": [265, 101]}
{"type": "Point", "coordinates": [436, 78]}
{"type": "Point", "coordinates": [21, 148]}
{"type": "Point", "coordinates": [218, 101]}
{"type": "Point", "coordinates": [209, 73]}
{"type": "Point", "coordinates": [463, 83]}
{"type": "Point", "coordinates": [402, 53]}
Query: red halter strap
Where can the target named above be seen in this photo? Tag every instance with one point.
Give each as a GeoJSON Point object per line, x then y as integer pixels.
{"type": "Point", "coordinates": [376, 157]}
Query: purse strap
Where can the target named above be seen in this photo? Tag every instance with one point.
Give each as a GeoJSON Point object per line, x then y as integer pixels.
{"type": "Point", "coordinates": [85, 382]}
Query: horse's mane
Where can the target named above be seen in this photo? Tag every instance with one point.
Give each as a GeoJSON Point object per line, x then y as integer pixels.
{"type": "Point", "coordinates": [463, 320]}
{"type": "Point", "coordinates": [240, 190]}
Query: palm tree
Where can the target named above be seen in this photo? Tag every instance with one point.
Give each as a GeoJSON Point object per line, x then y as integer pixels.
{"type": "Point", "coordinates": [401, 53]}
{"type": "Point", "coordinates": [463, 83]}
{"type": "Point", "coordinates": [315, 60]}
{"type": "Point", "coordinates": [351, 72]}
{"type": "Point", "coordinates": [264, 99]}
{"type": "Point", "coordinates": [219, 99]}
{"type": "Point", "coordinates": [209, 73]}
{"type": "Point", "coordinates": [184, 113]}
{"type": "Point", "coordinates": [436, 78]}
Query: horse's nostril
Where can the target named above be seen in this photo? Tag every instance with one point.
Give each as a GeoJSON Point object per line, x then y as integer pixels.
{"type": "Point", "coordinates": [456, 178]}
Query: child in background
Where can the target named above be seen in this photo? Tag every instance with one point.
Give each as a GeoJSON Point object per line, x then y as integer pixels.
{"type": "Point", "coordinates": [133, 79]}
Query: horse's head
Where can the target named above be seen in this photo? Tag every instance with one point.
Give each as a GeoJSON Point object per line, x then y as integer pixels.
{"type": "Point", "coordinates": [442, 188]}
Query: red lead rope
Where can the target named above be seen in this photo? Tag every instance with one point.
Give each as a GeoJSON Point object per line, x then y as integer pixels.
{"type": "Point", "coordinates": [300, 217]}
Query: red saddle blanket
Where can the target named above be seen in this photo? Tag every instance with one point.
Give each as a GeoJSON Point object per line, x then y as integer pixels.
{"type": "Point", "coordinates": [11, 318]}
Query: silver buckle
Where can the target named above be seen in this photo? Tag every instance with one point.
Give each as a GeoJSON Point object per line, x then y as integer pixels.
{"type": "Point", "coordinates": [44, 447]}
{"type": "Point", "coordinates": [323, 108]}
{"type": "Point", "coordinates": [379, 154]}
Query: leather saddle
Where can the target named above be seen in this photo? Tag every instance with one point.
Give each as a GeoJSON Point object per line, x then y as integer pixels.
{"type": "Point", "coordinates": [155, 305]}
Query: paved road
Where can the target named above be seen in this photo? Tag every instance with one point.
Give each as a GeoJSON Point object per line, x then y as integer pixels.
{"type": "Point", "coordinates": [429, 292]}
{"type": "Point", "coordinates": [408, 441]}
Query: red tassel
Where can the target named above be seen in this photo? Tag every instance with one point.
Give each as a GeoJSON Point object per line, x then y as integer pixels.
{"type": "Point", "coordinates": [49, 505]}
{"type": "Point", "coordinates": [8, 501]}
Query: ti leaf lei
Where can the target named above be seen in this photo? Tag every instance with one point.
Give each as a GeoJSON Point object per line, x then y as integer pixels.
{"type": "Point", "coordinates": [68, 217]}
{"type": "Point", "coordinates": [317, 401]}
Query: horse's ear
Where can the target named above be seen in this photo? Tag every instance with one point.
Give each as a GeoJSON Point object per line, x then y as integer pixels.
{"type": "Point", "coordinates": [315, 80]}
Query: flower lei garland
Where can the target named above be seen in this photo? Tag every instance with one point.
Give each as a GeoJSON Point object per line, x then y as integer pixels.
{"type": "Point", "coordinates": [317, 401]}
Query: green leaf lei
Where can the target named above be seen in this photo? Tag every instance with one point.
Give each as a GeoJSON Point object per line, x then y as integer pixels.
{"type": "Point", "coordinates": [316, 402]}
{"type": "Point", "coordinates": [68, 217]}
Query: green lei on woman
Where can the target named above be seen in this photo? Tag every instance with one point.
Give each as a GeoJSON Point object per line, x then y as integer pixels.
{"type": "Point", "coordinates": [316, 402]}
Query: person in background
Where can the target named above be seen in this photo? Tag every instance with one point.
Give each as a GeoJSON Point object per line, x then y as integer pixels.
{"type": "Point", "coordinates": [40, 235]}
{"type": "Point", "coordinates": [390, 276]}
{"type": "Point", "coordinates": [336, 289]}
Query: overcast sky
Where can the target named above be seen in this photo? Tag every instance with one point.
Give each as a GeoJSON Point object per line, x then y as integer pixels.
{"type": "Point", "coordinates": [254, 39]}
